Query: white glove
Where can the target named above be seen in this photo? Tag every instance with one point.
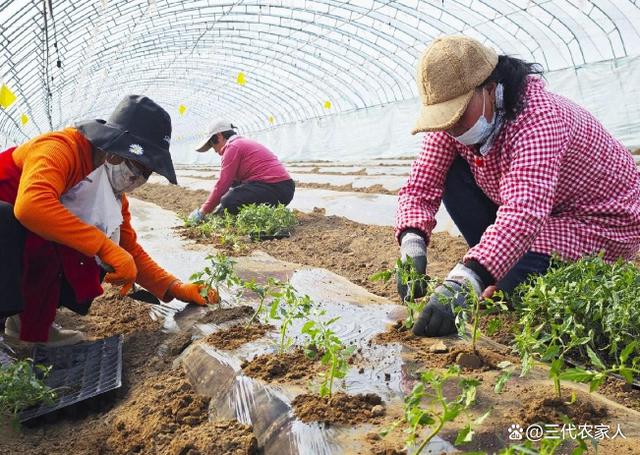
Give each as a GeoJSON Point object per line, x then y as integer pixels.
{"type": "Point", "coordinates": [195, 217]}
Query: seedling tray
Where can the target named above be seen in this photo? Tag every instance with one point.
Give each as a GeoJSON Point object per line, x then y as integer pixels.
{"type": "Point", "coordinates": [78, 372]}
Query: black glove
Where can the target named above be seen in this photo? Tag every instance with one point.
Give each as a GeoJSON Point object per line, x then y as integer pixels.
{"type": "Point", "coordinates": [437, 318]}
{"type": "Point", "coordinates": [413, 248]}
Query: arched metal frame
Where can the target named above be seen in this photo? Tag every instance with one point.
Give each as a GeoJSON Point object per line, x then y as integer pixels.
{"type": "Point", "coordinates": [296, 54]}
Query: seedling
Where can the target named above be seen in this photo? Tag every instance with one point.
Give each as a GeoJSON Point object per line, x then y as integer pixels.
{"type": "Point", "coordinates": [407, 276]}
{"type": "Point", "coordinates": [262, 220]}
{"type": "Point", "coordinates": [20, 388]}
{"type": "Point", "coordinates": [583, 313]}
{"type": "Point", "coordinates": [325, 342]}
{"type": "Point", "coordinates": [288, 306]}
{"type": "Point", "coordinates": [439, 409]}
{"type": "Point", "coordinates": [263, 291]}
{"type": "Point", "coordinates": [473, 311]}
{"type": "Point", "coordinates": [219, 272]}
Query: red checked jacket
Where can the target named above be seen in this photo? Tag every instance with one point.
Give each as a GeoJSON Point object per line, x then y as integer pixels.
{"type": "Point", "coordinates": [563, 185]}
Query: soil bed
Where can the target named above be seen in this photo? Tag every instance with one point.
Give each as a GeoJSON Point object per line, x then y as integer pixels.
{"type": "Point", "coordinates": [294, 367]}
{"type": "Point", "coordinates": [180, 426]}
{"type": "Point", "coordinates": [236, 336]}
{"type": "Point", "coordinates": [538, 407]}
{"type": "Point", "coordinates": [341, 408]}
{"type": "Point", "coordinates": [221, 315]}
{"type": "Point", "coordinates": [373, 189]}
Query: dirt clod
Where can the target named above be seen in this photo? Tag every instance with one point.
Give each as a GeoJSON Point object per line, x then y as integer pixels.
{"type": "Point", "coordinates": [291, 366]}
{"type": "Point", "coordinates": [340, 408]}
{"type": "Point", "coordinates": [438, 348]}
{"type": "Point", "coordinates": [236, 336]}
{"type": "Point", "coordinates": [469, 360]}
{"type": "Point", "coordinates": [221, 315]}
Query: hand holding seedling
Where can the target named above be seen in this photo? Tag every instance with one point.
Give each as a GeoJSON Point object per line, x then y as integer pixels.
{"type": "Point", "coordinates": [413, 249]}
{"type": "Point", "coordinates": [437, 318]}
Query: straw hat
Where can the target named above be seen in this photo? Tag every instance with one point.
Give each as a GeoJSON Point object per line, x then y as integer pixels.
{"type": "Point", "coordinates": [449, 71]}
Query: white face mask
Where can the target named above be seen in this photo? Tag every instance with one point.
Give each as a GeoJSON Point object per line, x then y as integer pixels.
{"type": "Point", "coordinates": [480, 131]}
{"type": "Point", "coordinates": [124, 177]}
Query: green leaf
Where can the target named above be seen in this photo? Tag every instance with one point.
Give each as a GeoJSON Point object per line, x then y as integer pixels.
{"type": "Point", "coordinates": [595, 360]}
{"type": "Point", "coordinates": [627, 374]}
{"type": "Point", "coordinates": [482, 418]}
{"type": "Point", "coordinates": [464, 435]}
{"type": "Point", "coordinates": [577, 375]}
{"type": "Point", "coordinates": [626, 352]}
{"type": "Point", "coordinates": [503, 378]}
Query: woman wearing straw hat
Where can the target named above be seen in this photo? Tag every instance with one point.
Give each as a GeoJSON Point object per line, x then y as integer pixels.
{"type": "Point", "coordinates": [63, 203]}
{"type": "Point", "coordinates": [523, 172]}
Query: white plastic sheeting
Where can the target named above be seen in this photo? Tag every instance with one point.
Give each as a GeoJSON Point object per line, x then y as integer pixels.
{"type": "Point", "coordinates": [299, 59]}
{"type": "Point", "coordinates": [610, 90]}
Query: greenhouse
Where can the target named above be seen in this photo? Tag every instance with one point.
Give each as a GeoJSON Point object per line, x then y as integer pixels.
{"type": "Point", "coordinates": [319, 227]}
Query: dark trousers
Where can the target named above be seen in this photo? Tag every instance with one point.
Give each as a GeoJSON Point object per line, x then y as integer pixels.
{"type": "Point", "coordinates": [473, 212]}
{"type": "Point", "coordinates": [256, 193]}
{"type": "Point", "coordinates": [12, 235]}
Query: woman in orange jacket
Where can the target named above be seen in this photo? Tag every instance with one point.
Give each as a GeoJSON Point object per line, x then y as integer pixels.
{"type": "Point", "coordinates": [65, 222]}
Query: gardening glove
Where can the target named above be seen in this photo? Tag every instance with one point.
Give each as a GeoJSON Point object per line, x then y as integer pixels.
{"type": "Point", "coordinates": [190, 293]}
{"type": "Point", "coordinates": [413, 246]}
{"type": "Point", "coordinates": [437, 318]}
{"type": "Point", "coordinates": [195, 217]}
{"type": "Point", "coordinates": [120, 264]}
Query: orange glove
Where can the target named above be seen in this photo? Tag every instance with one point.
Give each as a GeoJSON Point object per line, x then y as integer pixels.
{"type": "Point", "coordinates": [124, 267]}
{"type": "Point", "coordinates": [190, 292]}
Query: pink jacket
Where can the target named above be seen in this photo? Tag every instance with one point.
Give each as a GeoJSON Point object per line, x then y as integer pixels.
{"type": "Point", "coordinates": [245, 161]}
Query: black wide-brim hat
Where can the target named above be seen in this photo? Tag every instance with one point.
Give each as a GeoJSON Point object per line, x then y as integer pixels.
{"type": "Point", "coordinates": [138, 130]}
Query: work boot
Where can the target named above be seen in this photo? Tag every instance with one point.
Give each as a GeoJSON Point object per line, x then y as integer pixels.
{"type": "Point", "coordinates": [57, 335]}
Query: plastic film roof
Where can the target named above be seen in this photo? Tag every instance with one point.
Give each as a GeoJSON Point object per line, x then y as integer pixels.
{"type": "Point", "coordinates": [267, 63]}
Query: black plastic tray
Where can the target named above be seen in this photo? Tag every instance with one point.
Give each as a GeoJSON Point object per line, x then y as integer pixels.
{"type": "Point", "coordinates": [78, 372]}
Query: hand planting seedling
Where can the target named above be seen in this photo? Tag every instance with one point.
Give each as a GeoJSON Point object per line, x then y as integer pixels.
{"type": "Point", "coordinates": [219, 272]}
{"type": "Point", "coordinates": [262, 220]}
{"type": "Point", "coordinates": [263, 291]}
{"type": "Point", "coordinates": [473, 312]}
{"type": "Point", "coordinates": [21, 388]}
{"type": "Point", "coordinates": [439, 409]}
{"type": "Point", "coordinates": [407, 276]}
{"type": "Point", "coordinates": [584, 312]}
{"type": "Point", "coordinates": [288, 306]}
{"type": "Point", "coordinates": [334, 354]}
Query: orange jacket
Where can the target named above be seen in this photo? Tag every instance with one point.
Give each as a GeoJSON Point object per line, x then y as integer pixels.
{"type": "Point", "coordinates": [52, 164]}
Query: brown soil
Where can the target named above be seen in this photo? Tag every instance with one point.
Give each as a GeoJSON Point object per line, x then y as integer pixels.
{"type": "Point", "coordinates": [353, 250]}
{"type": "Point", "coordinates": [621, 392]}
{"type": "Point", "coordinates": [179, 426]}
{"type": "Point", "coordinates": [508, 327]}
{"type": "Point", "coordinates": [340, 408]}
{"type": "Point", "coordinates": [236, 336]}
{"type": "Point", "coordinates": [293, 367]}
{"type": "Point", "coordinates": [538, 407]}
{"type": "Point", "coordinates": [221, 315]}
{"type": "Point", "coordinates": [373, 189]}
{"type": "Point", "coordinates": [316, 170]}
{"type": "Point", "coordinates": [148, 355]}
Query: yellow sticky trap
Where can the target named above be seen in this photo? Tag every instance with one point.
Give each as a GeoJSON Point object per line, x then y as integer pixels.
{"type": "Point", "coordinates": [272, 119]}
{"type": "Point", "coordinates": [24, 119]}
{"type": "Point", "coordinates": [327, 104]}
{"type": "Point", "coordinates": [182, 109]}
{"type": "Point", "coordinates": [7, 97]}
{"type": "Point", "coordinates": [241, 79]}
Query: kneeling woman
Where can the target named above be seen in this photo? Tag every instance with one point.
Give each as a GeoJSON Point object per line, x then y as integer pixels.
{"type": "Point", "coordinates": [65, 221]}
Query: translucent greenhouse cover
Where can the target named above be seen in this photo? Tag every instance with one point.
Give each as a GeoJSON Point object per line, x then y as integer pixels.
{"type": "Point", "coordinates": [312, 79]}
